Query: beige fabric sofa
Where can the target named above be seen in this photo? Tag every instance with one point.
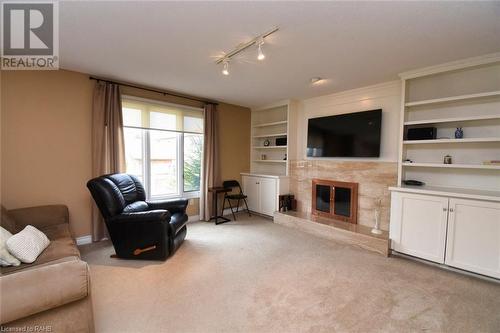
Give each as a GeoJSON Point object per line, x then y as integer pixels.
{"type": "Point", "coordinates": [54, 291]}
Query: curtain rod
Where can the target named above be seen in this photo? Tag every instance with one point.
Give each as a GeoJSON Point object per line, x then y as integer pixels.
{"type": "Point", "coordinates": [164, 93]}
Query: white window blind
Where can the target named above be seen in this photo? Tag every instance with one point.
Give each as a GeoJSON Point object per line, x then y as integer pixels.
{"type": "Point", "coordinates": [163, 146]}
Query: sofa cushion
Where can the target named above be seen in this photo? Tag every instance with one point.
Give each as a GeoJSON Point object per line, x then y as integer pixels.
{"type": "Point", "coordinates": [57, 231]}
{"type": "Point", "coordinates": [8, 222]}
{"type": "Point", "coordinates": [27, 244]}
{"type": "Point", "coordinates": [6, 259]}
{"type": "Point", "coordinates": [43, 287]}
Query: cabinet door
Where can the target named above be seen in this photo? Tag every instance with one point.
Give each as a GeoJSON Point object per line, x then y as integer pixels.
{"type": "Point", "coordinates": [268, 196]}
{"type": "Point", "coordinates": [473, 241]}
{"type": "Point", "coordinates": [251, 189]}
{"type": "Point", "coordinates": [418, 225]}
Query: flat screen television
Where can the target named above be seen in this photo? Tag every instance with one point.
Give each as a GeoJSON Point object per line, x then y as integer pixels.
{"type": "Point", "coordinates": [346, 135]}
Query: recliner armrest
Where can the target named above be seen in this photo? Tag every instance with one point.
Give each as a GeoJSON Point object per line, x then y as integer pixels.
{"type": "Point", "coordinates": [173, 206]}
{"type": "Point", "coordinates": [146, 216]}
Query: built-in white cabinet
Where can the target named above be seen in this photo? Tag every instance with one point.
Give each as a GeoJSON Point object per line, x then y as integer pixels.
{"type": "Point", "coordinates": [263, 192]}
{"type": "Point", "coordinates": [418, 225]}
{"type": "Point", "coordinates": [473, 241]}
{"type": "Point", "coordinates": [458, 232]}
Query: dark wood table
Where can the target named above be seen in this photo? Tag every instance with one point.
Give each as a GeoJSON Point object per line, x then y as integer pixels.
{"type": "Point", "coordinates": [215, 193]}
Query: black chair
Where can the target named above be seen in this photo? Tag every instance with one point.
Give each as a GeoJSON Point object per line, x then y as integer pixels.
{"type": "Point", "coordinates": [234, 184]}
{"type": "Point", "coordinates": [139, 229]}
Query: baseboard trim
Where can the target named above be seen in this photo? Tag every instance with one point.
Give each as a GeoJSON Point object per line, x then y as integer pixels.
{"type": "Point", "coordinates": [194, 218]}
{"type": "Point", "coordinates": [83, 240]}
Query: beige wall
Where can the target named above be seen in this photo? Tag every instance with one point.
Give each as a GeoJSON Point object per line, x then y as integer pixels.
{"type": "Point", "coordinates": [46, 117]}
{"type": "Point", "coordinates": [46, 128]}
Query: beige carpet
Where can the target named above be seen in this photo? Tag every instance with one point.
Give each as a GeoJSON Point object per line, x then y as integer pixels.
{"type": "Point", "coordinates": [256, 276]}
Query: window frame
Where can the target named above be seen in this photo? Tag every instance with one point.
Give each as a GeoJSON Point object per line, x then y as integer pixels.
{"type": "Point", "coordinates": [146, 150]}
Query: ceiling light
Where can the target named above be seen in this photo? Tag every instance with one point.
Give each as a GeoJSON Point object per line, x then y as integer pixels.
{"type": "Point", "coordinates": [316, 80]}
{"type": "Point", "coordinates": [260, 54]}
{"type": "Point", "coordinates": [225, 69]}
{"type": "Point", "coordinates": [259, 41]}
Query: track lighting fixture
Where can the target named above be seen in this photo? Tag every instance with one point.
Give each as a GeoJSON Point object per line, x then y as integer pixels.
{"type": "Point", "coordinates": [225, 69]}
{"type": "Point", "coordinates": [260, 54]}
{"type": "Point", "coordinates": [258, 41]}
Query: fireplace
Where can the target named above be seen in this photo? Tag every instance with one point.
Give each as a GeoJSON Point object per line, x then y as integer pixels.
{"type": "Point", "coordinates": [336, 200]}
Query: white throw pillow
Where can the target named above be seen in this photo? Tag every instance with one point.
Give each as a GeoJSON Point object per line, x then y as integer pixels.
{"type": "Point", "coordinates": [6, 259]}
{"type": "Point", "coordinates": [27, 244]}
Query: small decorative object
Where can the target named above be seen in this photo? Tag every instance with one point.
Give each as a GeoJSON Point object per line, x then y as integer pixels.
{"type": "Point", "coordinates": [267, 143]}
{"type": "Point", "coordinates": [413, 182]}
{"type": "Point", "coordinates": [408, 161]}
{"type": "Point", "coordinates": [263, 157]}
{"type": "Point", "coordinates": [284, 158]}
{"type": "Point", "coordinates": [459, 133]}
{"type": "Point", "coordinates": [376, 228]}
{"type": "Point", "coordinates": [447, 159]}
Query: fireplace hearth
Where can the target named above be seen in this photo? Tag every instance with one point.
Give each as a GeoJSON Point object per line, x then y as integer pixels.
{"type": "Point", "coordinates": [335, 199]}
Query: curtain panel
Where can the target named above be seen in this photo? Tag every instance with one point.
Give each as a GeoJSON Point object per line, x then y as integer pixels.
{"type": "Point", "coordinates": [108, 149]}
{"type": "Point", "coordinates": [210, 175]}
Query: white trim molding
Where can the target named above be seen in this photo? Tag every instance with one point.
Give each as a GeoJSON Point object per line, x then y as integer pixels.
{"type": "Point", "coordinates": [450, 66]}
{"type": "Point", "coordinates": [83, 240]}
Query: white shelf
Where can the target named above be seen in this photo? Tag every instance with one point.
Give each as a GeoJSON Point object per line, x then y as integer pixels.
{"type": "Point", "coordinates": [271, 124]}
{"type": "Point", "coordinates": [451, 120]}
{"type": "Point", "coordinates": [450, 191]}
{"type": "Point", "coordinates": [269, 135]}
{"type": "Point", "coordinates": [467, 140]}
{"type": "Point", "coordinates": [453, 98]}
{"type": "Point", "coordinates": [270, 147]}
{"type": "Point", "coordinates": [453, 166]}
{"type": "Point", "coordinates": [270, 161]}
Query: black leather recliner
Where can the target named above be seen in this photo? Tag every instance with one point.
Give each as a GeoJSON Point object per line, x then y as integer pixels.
{"type": "Point", "coordinates": [139, 229]}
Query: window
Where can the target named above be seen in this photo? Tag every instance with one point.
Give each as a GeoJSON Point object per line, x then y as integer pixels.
{"type": "Point", "coordinates": [163, 146]}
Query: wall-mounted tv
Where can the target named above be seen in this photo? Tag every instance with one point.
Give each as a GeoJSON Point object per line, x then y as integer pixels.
{"type": "Point", "coordinates": [346, 135]}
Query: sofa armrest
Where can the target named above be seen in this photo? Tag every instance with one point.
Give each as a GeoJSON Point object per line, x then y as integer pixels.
{"type": "Point", "coordinates": [173, 206]}
{"type": "Point", "coordinates": [43, 287]}
{"type": "Point", "coordinates": [40, 216]}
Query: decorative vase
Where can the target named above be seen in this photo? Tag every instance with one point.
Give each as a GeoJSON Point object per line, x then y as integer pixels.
{"type": "Point", "coordinates": [376, 228]}
{"type": "Point", "coordinates": [459, 133]}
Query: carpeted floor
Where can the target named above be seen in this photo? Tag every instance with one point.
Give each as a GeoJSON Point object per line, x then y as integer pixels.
{"type": "Point", "coordinates": [255, 276]}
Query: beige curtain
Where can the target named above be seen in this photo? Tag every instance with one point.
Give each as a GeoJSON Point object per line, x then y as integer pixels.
{"type": "Point", "coordinates": [210, 175]}
{"type": "Point", "coordinates": [108, 150]}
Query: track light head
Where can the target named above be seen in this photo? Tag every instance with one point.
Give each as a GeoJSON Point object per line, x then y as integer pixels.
{"type": "Point", "coordinates": [225, 68]}
{"type": "Point", "coordinates": [260, 54]}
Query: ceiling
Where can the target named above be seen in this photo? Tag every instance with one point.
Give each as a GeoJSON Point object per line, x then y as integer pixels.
{"type": "Point", "coordinates": [173, 45]}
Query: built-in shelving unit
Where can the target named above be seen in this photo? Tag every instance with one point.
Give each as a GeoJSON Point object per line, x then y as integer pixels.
{"type": "Point", "coordinates": [456, 166]}
{"type": "Point", "coordinates": [270, 147]}
{"type": "Point", "coordinates": [270, 161]}
{"type": "Point", "coordinates": [269, 139]}
{"type": "Point", "coordinates": [452, 120]}
{"type": "Point", "coordinates": [453, 98]}
{"type": "Point", "coordinates": [466, 95]}
{"type": "Point", "coordinates": [269, 135]}
{"type": "Point", "coordinates": [274, 123]}
{"type": "Point", "coordinates": [469, 140]}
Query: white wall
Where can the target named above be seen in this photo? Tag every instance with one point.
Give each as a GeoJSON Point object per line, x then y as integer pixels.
{"type": "Point", "coordinates": [385, 96]}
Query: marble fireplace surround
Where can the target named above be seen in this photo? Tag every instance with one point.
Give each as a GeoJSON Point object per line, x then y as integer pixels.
{"type": "Point", "coordinates": [373, 178]}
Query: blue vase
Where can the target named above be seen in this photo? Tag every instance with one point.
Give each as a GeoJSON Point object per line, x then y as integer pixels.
{"type": "Point", "coordinates": [459, 133]}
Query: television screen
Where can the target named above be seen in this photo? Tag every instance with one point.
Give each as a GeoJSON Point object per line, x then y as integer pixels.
{"type": "Point", "coordinates": [346, 135]}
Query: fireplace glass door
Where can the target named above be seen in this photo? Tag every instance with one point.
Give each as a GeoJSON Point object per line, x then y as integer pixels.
{"type": "Point", "coordinates": [342, 201]}
{"type": "Point", "coordinates": [323, 193]}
